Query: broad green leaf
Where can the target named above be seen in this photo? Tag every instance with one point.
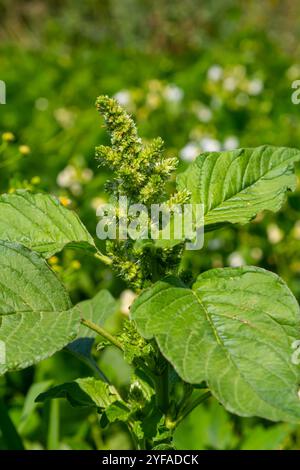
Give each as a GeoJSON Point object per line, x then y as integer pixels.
{"type": "Point", "coordinates": [36, 318]}
{"type": "Point", "coordinates": [117, 411]}
{"type": "Point", "coordinates": [235, 185]}
{"type": "Point", "coordinates": [98, 309]}
{"type": "Point", "coordinates": [86, 392]}
{"type": "Point", "coordinates": [81, 348]}
{"type": "Point", "coordinates": [41, 223]}
{"type": "Point", "coordinates": [234, 329]}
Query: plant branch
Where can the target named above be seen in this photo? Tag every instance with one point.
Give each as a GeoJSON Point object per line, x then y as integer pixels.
{"type": "Point", "coordinates": [162, 390]}
{"type": "Point", "coordinates": [191, 406]}
{"type": "Point", "coordinates": [102, 332]}
{"type": "Point", "coordinates": [105, 259]}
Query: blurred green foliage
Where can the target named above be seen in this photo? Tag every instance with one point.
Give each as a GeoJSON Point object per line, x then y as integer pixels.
{"type": "Point", "coordinates": [202, 75]}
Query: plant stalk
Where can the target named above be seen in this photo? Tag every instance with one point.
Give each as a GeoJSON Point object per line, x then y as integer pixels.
{"type": "Point", "coordinates": [102, 332]}
{"type": "Point", "coordinates": [105, 259]}
{"type": "Point", "coordinates": [162, 390]}
{"type": "Point", "coordinates": [191, 406]}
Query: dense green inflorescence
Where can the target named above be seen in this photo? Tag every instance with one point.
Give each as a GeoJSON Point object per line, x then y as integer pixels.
{"type": "Point", "coordinates": [141, 173]}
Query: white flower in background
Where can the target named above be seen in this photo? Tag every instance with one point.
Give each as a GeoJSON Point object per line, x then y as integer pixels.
{"type": "Point", "coordinates": [173, 93]}
{"type": "Point", "coordinates": [87, 174]}
{"type": "Point", "coordinates": [204, 114]}
{"type": "Point", "coordinates": [215, 73]}
{"type": "Point", "coordinates": [42, 104]}
{"type": "Point", "coordinates": [231, 142]}
{"type": "Point", "coordinates": [230, 83]}
{"type": "Point", "coordinates": [189, 152]}
{"type": "Point", "coordinates": [296, 230]}
{"type": "Point", "coordinates": [98, 202]}
{"type": "Point", "coordinates": [76, 188]}
{"type": "Point", "coordinates": [255, 86]}
{"type": "Point", "coordinates": [67, 177]}
{"type": "Point", "coordinates": [127, 297]}
{"type": "Point", "coordinates": [123, 97]}
{"type": "Point", "coordinates": [64, 117]}
{"type": "Point", "coordinates": [215, 244]}
{"type": "Point", "coordinates": [256, 253]}
{"type": "Point", "coordinates": [275, 234]}
{"type": "Point", "coordinates": [210, 145]}
{"type": "Point", "coordinates": [235, 260]}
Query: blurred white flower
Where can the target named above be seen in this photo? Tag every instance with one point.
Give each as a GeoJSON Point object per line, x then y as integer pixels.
{"type": "Point", "coordinates": [64, 117]}
{"type": "Point", "coordinates": [210, 145]}
{"type": "Point", "coordinates": [97, 202]}
{"type": "Point", "coordinates": [67, 177]}
{"type": "Point", "coordinates": [87, 174]}
{"type": "Point", "coordinates": [76, 188]}
{"type": "Point", "coordinates": [256, 253]}
{"type": "Point", "coordinates": [123, 97]}
{"type": "Point", "coordinates": [173, 93]}
{"type": "Point", "coordinates": [215, 244]}
{"type": "Point", "coordinates": [230, 83]}
{"type": "Point", "coordinates": [235, 260]}
{"type": "Point", "coordinates": [275, 234]}
{"type": "Point", "coordinates": [215, 73]}
{"type": "Point", "coordinates": [255, 86]}
{"type": "Point", "coordinates": [127, 297]}
{"type": "Point", "coordinates": [41, 104]}
{"type": "Point", "coordinates": [189, 152]}
{"type": "Point", "coordinates": [231, 142]}
{"type": "Point", "coordinates": [204, 114]}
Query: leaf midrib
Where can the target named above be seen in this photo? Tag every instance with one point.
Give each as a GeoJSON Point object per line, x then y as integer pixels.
{"type": "Point", "coordinates": [211, 209]}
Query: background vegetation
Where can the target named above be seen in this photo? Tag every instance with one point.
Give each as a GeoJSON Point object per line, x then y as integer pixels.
{"type": "Point", "coordinates": [204, 75]}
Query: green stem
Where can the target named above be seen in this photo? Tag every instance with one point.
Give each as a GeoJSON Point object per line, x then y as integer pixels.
{"type": "Point", "coordinates": [191, 406]}
{"type": "Point", "coordinates": [105, 259]}
{"type": "Point", "coordinates": [102, 332]}
{"type": "Point", "coordinates": [162, 390]}
{"type": "Point", "coordinates": [53, 426]}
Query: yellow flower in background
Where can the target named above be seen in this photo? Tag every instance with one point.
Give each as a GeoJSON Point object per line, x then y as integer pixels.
{"type": "Point", "coordinates": [53, 260]}
{"type": "Point", "coordinates": [76, 264]}
{"type": "Point", "coordinates": [296, 230]}
{"type": "Point", "coordinates": [24, 149]}
{"type": "Point", "coordinates": [65, 201]}
{"type": "Point", "coordinates": [35, 180]}
{"type": "Point", "coordinates": [8, 137]}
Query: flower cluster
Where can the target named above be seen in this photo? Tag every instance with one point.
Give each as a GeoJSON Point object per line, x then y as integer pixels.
{"type": "Point", "coordinates": [141, 170]}
{"type": "Point", "coordinates": [141, 173]}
